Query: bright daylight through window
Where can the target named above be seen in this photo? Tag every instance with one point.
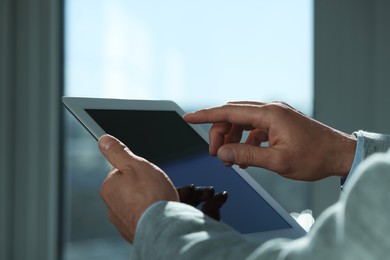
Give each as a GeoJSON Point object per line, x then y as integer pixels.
{"type": "Point", "coordinates": [196, 53]}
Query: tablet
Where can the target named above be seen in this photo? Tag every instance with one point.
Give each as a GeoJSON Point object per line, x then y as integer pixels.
{"type": "Point", "coordinates": [155, 130]}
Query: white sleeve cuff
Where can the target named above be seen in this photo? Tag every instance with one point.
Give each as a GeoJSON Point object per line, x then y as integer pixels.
{"type": "Point", "coordinates": [357, 159]}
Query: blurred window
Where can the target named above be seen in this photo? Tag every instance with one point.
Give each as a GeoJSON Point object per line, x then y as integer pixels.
{"type": "Point", "coordinates": [197, 53]}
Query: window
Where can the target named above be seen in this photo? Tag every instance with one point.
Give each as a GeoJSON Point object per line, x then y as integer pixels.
{"type": "Point", "coordinates": [199, 54]}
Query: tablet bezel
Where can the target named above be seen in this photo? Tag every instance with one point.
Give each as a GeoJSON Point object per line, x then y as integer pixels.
{"type": "Point", "coordinates": [78, 106]}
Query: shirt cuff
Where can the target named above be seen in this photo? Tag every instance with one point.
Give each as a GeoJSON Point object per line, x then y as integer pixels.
{"type": "Point", "coordinates": [356, 160]}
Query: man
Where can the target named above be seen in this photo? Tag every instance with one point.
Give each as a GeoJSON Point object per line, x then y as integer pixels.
{"type": "Point", "coordinates": [143, 203]}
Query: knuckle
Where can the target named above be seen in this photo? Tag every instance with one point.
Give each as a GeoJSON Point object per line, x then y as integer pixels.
{"type": "Point", "coordinates": [277, 107]}
{"type": "Point", "coordinates": [244, 155]}
{"type": "Point", "coordinates": [276, 110]}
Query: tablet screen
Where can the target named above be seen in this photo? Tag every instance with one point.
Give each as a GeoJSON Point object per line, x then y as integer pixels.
{"type": "Point", "coordinates": [165, 139]}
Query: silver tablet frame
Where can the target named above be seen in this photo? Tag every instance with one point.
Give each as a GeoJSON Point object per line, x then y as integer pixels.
{"type": "Point", "coordinates": [78, 105]}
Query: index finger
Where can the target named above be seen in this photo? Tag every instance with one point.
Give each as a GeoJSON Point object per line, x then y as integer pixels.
{"type": "Point", "coordinates": [241, 114]}
{"type": "Point", "coordinates": [116, 152]}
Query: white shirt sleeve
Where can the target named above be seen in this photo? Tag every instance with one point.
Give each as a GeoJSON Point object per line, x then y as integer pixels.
{"type": "Point", "coordinates": [357, 159]}
{"type": "Point", "coordinates": [357, 227]}
{"type": "Point", "coordinates": [367, 144]}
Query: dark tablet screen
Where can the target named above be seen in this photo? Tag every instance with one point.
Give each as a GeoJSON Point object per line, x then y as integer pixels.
{"type": "Point", "coordinates": [165, 139]}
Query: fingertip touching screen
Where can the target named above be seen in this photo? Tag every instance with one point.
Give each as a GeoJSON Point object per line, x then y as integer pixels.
{"type": "Point", "coordinates": [165, 139]}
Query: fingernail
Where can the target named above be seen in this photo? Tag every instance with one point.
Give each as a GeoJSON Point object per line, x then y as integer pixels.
{"type": "Point", "coordinates": [106, 142]}
{"type": "Point", "coordinates": [225, 154]}
{"type": "Point", "coordinates": [222, 196]}
{"type": "Point", "coordinates": [228, 164]}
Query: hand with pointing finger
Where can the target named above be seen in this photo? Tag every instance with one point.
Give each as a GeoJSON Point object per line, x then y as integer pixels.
{"type": "Point", "coordinates": [298, 148]}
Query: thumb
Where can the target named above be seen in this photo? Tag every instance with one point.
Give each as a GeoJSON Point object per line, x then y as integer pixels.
{"type": "Point", "coordinates": [116, 152]}
{"type": "Point", "coordinates": [244, 154]}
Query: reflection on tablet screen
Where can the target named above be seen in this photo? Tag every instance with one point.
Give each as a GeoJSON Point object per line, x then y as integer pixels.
{"type": "Point", "coordinates": [165, 139]}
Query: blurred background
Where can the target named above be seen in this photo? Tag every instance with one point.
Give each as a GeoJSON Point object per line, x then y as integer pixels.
{"type": "Point", "coordinates": [199, 54]}
{"type": "Point", "coordinates": [329, 59]}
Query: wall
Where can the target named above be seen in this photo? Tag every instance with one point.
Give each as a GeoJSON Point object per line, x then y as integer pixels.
{"type": "Point", "coordinates": [352, 72]}
{"type": "Point", "coordinates": [30, 88]}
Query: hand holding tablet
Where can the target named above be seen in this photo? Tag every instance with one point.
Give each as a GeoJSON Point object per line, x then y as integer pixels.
{"type": "Point", "coordinates": [182, 152]}
{"type": "Point", "coordinates": [132, 186]}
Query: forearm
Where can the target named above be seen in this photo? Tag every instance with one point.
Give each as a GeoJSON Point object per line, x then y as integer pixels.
{"type": "Point", "coordinates": [168, 230]}
{"type": "Point", "coordinates": [344, 231]}
{"type": "Point", "coordinates": [178, 231]}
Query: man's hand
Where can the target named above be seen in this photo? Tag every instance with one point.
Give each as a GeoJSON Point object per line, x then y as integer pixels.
{"type": "Point", "coordinates": [132, 186]}
{"type": "Point", "coordinates": [195, 195]}
{"type": "Point", "coordinates": [298, 147]}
